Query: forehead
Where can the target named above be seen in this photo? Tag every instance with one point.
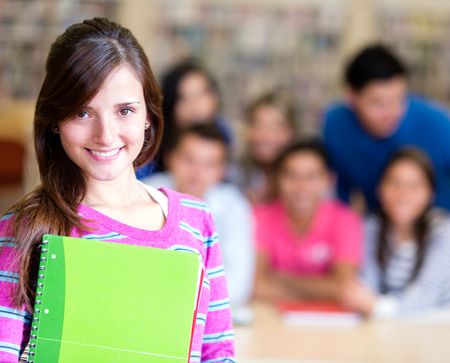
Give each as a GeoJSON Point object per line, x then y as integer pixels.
{"type": "Point", "coordinates": [192, 81]}
{"type": "Point", "coordinates": [304, 159]}
{"type": "Point", "coordinates": [194, 142]}
{"type": "Point", "coordinates": [121, 85]}
{"type": "Point", "coordinates": [384, 87]}
{"type": "Point", "coordinates": [405, 168]}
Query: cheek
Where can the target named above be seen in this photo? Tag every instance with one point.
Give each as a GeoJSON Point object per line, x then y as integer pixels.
{"type": "Point", "coordinates": [387, 196]}
{"type": "Point", "coordinates": [321, 186]}
{"type": "Point", "coordinates": [371, 114]}
{"type": "Point", "coordinates": [135, 133]}
{"type": "Point", "coordinates": [284, 136]}
{"type": "Point", "coordinates": [286, 187]}
{"type": "Point", "coordinates": [70, 140]}
{"type": "Point", "coordinates": [214, 174]}
{"type": "Point", "coordinates": [422, 200]}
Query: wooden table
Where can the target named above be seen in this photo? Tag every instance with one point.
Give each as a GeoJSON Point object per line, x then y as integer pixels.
{"type": "Point", "coordinates": [269, 340]}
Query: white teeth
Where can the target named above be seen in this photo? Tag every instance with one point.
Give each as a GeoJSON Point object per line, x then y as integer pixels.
{"type": "Point", "coordinates": [105, 154]}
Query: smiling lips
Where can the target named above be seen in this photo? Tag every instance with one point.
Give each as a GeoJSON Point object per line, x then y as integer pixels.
{"type": "Point", "coordinates": [104, 155]}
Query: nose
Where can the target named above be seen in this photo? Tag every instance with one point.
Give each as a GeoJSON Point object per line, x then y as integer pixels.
{"type": "Point", "coordinates": [105, 131]}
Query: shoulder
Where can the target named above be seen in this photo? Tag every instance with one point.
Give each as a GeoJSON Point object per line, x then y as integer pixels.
{"type": "Point", "coordinates": [440, 227]}
{"type": "Point", "coordinates": [433, 110]}
{"type": "Point", "coordinates": [268, 211]}
{"type": "Point", "coordinates": [6, 224]}
{"type": "Point", "coordinates": [337, 112]}
{"type": "Point", "coordinates": [339, 120]}
{"type": "Point", "coordinates": [191, 221]}
{"type": "Point", "coordinates": [185, 201]}
{"type": "Point", "coordinates": [188, 208]}
{"type": "Point", "coordinates": [342, 212]}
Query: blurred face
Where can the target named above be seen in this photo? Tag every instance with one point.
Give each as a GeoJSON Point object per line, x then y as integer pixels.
{"type": "Point", "coordinates": [106, 136]}
{"type": "Point", "coordinates": [303, 182]}
{"type": "Point", "coordinates": [268, 133]}
{"type": "Point", "coordinates": [197, 164]}
{"type": "Point", "coordinates": [380, 105]}
{"type": "Point", "coordinates": [197, 103]}
{"type": "Point", "coordinates": [404, 193]}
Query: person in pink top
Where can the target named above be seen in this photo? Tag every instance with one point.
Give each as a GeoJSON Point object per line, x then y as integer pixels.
{"type": "Point", "coordinates": [97, 118]}
{"type": "Point", "coordinates": [309, 244]}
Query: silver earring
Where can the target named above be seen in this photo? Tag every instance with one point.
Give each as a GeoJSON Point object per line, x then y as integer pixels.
{"type": "Point", "coordinates": [55, 130]}
{"type": "Point", "coordinates": [147, 125]}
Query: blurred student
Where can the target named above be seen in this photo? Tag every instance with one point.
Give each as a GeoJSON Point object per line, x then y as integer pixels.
{"type": "Point", "coordinates": [378, 117]}
{"type": "Point", "coordinates": [191, 96]}
{"type": "Point", "coordinates": [309, 245]}
{"type": "Point", "coordinates": [196, 166]}
{"type": "Point", "coordinates": [406, 265]}
{"type": "Point", "coordinates": [271, 126]}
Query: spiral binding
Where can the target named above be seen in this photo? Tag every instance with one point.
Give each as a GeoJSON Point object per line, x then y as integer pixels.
{"type": "Point", "coordinates": [38, 301]}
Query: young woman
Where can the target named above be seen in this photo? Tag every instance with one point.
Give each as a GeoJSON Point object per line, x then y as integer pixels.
{"type": "Point", "coordinates": [271, 126]}
{"type": "Point", "coordinates": [98, 116]}
{"type": "Point", "coordinates": [407, 245]}
{"type": "Point", "coordinates": [308, 244]}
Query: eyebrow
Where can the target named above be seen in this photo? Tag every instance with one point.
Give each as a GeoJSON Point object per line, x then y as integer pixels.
{"type": "Point", "coordinates": [126, 103]}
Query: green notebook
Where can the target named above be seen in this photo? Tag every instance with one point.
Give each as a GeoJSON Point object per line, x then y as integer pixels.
{"type": "Point", "coordinates": [110, 302]}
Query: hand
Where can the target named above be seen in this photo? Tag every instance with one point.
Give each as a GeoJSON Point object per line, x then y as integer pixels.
{"type": "Point", "coordinates": [356, 296]}
{"type": "Point", "coordinates": [269, 289]}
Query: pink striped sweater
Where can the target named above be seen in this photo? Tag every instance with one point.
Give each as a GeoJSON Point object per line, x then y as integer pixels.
{"type": "Point", "coordinates": [188, 227]}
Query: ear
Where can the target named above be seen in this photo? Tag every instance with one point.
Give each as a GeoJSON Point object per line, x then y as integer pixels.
{"type": "Point", "coordinates": [350, 95]}
{"type": "Point", "coordinates": [148, 122]}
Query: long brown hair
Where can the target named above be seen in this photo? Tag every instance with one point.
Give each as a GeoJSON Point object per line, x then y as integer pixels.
{"type": "Point", "coordinates": [78, 63]}
{"type": "Point", "coordinates": [421, 224]}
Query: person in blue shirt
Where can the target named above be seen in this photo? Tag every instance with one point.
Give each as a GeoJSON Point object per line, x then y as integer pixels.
{"type": "Point", "coordinates": [378, 117]}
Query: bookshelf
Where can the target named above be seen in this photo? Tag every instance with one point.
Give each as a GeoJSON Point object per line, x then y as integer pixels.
{"type": "Point", "coordinates": [27, 29]}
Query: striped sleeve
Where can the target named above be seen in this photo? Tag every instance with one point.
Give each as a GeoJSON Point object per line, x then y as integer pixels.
{"type": "Point", "coordinates": [218, 338]}
{"type": "Point", "coordinates": [431, 288]}
{"type": "Point", "coordinates": [14, 323]}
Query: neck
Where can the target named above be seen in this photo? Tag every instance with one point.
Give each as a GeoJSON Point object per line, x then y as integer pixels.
{"type": "Point", "coordinates": [301, 219]}
{"type": "Point", "coordinates": [403, 233]}
{"type": "Point", "coordinates": [120, 192]}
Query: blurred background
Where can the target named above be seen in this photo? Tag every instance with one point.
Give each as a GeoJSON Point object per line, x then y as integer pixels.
{"type": "Point", "coordinates": [249, 46]}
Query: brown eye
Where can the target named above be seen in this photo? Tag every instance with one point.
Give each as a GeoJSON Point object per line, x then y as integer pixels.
{"type": "Point", "coordinates": [82, 114]}
{"type": "Point", "coordinates": [125, 111]}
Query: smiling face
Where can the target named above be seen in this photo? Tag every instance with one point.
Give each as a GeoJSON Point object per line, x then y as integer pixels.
{"type": "Point", "coordinates": [197, 102]}
{"type": "Point", "coordinates": [380, 105]}
{"type": "Point", "coordinates": [197, 164]}
{"type": "Point", "coordinates": [268, 133]}
{"type": "Point", "coordinates": [303, 182]}
{"type": "Point", "coordinates": [105, 137]}
{"type": "Point", "coordinates": [405, 193]}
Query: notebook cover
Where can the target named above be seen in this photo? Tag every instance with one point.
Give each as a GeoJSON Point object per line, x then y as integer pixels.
{"type": "Point", "coordinates": [111, 302]}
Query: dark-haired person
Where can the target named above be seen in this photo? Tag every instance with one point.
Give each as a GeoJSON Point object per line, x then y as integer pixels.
{"type": "Point", "coordinates": [406, 265]}
{"type": "Point", "coordinates": [378, 117]}
{"type": "Point", "coordinates": [190, 96]}
{"type": "Point", "coordinates": [196, 165]}
{"type": "Point", "coordinates": [309, 244]}
{"type": "Point", "coordinates": [98, 117]}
